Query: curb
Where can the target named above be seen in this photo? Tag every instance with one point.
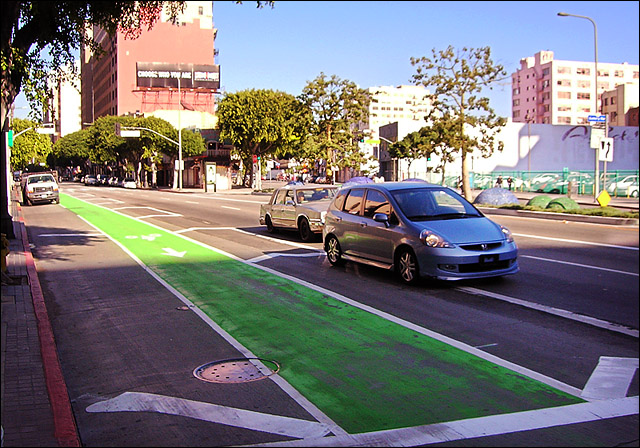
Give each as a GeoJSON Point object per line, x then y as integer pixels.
{"type": "Point", "coordinates": [64, 423]}
{"type": "Point", "coordinates": [561, 216]}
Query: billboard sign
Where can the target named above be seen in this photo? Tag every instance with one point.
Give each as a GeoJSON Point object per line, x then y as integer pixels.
{"type": "Point", "coordinates": [163, 75]}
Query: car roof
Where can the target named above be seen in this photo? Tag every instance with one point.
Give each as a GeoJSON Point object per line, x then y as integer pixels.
{"type": "Point", "coordinates": [305, 187]}
{"type": "Point", "coordinates": [396, 186]}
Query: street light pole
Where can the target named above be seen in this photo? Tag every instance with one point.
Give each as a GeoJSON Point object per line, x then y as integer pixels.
{"type": "Point", "coordinates": [179, 136]}
{"type": "Point", "coordinates": [596, 182]}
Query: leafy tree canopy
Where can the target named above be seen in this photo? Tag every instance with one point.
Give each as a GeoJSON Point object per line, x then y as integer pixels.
{"type": "Point", "coordinates": [29, 147]}
{"type": "Point", "coordinates": [458, 78]}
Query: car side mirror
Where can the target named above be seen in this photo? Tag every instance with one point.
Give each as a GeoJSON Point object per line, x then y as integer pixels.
{"type": "Point", "coordinates": [381, 217]}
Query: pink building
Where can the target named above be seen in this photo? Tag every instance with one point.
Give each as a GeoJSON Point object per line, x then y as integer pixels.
{"type": "Point", "coordinates": [549, 91]}
{"type": "Point", "coordinates": [111, 85]}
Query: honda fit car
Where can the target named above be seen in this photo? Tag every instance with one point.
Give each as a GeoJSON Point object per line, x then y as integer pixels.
{"type": "Point", "coordinates": [417, 230]}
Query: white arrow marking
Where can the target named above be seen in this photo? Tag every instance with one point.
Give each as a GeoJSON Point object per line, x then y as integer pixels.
{"type": "Point", "coordinates": [240, 418]}
{"type": "Point", "coordinates": [173, 252]}
{"type": "Point", "coordinates": [151, 237]}
{"type": "Point", "coordinates": [610, 379]}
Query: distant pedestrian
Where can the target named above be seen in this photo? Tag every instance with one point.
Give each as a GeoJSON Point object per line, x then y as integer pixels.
{"type": "Point", "coordinates": [509, 182]}
{"type": "Point", "coordinates": [499, 182]}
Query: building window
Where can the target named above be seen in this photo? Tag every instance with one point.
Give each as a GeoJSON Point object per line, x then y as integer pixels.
{"type": "Point", "coordinates": [613, 100]}
{"type": "Point", "coordinates": [564, 95]}
{"type": "Point", "coordinates": [564, 108]}
{"type": "Point", "coordinates": [516, 102]}
{"type": "Point", "coordinates": [584, 96]}
{"type": "Point", "coordinates": [516, 114]}
{"type": "Point", "coordinates": [583, 71]}
{"type": "Point", "coordinates": [564, 70]}
{"type": "Point", "coordinates": [584, 84]}
{"type": "Point", "coordinates": [564, 120]}
{"type": "Point", "coordinates": [581, 120]}
{"type": "Point", "coordinates": [564, 82]}
{"type": "Point", "coordinates": [200, 10]}
{"type": "Point", "coordinates": [545, 71]}
{"type": "Point", "coordinates": [618, 73]}
{"type": "Point", "coordinates": [604, 74]}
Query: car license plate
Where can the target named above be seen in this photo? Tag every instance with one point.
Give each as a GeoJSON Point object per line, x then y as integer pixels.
{"type": "Point", "coordinates": [488, 258]}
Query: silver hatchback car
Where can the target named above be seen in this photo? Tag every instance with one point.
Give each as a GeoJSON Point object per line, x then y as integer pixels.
{"type": "Point", "coordinates": [418, 230]}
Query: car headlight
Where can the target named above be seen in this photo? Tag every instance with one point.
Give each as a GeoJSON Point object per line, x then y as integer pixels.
{"type": "Point", "coordinates": [507, 234]}
{"type": "Point", "coordinates": [432, 239]}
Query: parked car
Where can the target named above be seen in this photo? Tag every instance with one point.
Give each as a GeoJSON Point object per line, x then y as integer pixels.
{"type": "Point", "coordinates": [416, 229]}
{"type": "Point", "coordinates": [298, 207]}
{"type": "Point", "coordinates": [40, 188]}
{"type": "Point", "coordinates": [624, 187]}
{"type": "Point", "coordinates": [90, 179]}
{"type": "Point", "coordinates": [129, 182]}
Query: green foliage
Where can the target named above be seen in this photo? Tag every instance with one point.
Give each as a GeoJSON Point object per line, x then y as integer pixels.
{"type": "Point", "coordinates": [337, 106]}
{"type": "Point", "coordinates": [42, 38]}
{"type": "Point", "coordinates": [539, 201]}
{"type": "Point", "coordinates": [458, 78]}
{"type": "Point", "coordinates": [262, 122]}
{"type": "Point", "coordinates": [563, 203]}
{"type": "Point", "coordinates": [71, 150]}
{"type": "Point", "coordinates": [29, 147]}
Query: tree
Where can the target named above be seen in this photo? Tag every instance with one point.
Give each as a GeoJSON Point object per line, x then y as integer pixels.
{"type": "Point", "coordinates": [337, 105]}
{"type": "Point", "coordinates": [30, 147]}
{"type": "Point", "coordinates": [458, 77]}
{"type": "Point", "coordinates": [71, 150]}
{"type": "Point", "coordinates": [413, 146]}
{"type": "Point", "coordinates": [262, 123]}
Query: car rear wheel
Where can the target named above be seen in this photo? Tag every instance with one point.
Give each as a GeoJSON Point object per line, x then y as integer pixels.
{"type": "Point", "coordinates": [306, 234]}
{"type": "Point", "coordinates": [407, 267]}
{"type": "Point", "coordinates": [334, 253]}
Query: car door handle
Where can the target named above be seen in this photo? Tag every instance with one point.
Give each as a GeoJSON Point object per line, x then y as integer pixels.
{"type": "Point", "coordinates": [338, 219]}
{"type": "Point", "coordinates": [363, 224]}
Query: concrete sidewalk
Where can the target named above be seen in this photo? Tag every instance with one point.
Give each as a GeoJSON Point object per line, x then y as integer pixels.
{"type": "Point", "coordinates": [35, 405]}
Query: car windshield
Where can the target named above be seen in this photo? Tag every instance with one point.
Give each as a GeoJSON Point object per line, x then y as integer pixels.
{"type": "Point", "coordinates": [43, 178]}
{"type": "Point", "coordinates": [427, 204]}
{"type": "Point", "coordinates": [314, 194]}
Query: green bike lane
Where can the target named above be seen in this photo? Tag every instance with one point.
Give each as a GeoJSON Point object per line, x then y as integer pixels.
{"type": "Point", "coordinates": [365, 372]}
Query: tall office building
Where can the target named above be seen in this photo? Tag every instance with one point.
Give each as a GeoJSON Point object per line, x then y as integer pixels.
{"type": "Point", "coordinates": [549, 91]}
{"type": "Point", "coordinates": [407, 104]}
{"type": "Point", "coordinates": [168, 72]}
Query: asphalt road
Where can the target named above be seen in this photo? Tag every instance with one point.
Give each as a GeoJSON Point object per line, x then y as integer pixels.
{"type": "Point", "coordinates": [129, 344]}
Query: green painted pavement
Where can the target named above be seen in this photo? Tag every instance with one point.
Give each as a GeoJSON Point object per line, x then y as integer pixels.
{"type": "Point", "coordinates": [363, 371]}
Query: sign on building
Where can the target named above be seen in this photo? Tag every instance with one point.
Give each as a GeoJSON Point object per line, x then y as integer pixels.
{"type": "Point", "coordinates": [192, 76]}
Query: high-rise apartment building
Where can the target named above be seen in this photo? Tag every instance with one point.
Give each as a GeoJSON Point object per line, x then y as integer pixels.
{"type": "Point", "coordinates": [549, 91]}
{"type": "Point", "coordinates": [408, 104]}
{"type": "Point", "coordinates": [168, 72]}
{"type": "Point", "coordinates": [64, 106]}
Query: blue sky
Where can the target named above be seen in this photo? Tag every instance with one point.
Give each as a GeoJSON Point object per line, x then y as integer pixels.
{"type": "Point", "coordinates": [371, 43]}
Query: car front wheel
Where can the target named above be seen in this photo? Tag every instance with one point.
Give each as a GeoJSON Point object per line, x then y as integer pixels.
{"type": "Point", "coordinates": [270, 227]}
{"type": "Point", "coordinates": [334, 253]}
{"type": "Point", "coordinates": [407, 267]}
{"type": "Point", "coordinates": [306, 234]}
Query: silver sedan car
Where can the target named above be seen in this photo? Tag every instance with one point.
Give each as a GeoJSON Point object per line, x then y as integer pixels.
{"type": "Point", "coordinates": [298, 207]}
{"type": "Point", "coordinates": [416, 229]}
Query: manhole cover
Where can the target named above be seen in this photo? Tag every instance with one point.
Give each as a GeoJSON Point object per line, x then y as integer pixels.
{"type": "Point", "coordinates": [241, 370]}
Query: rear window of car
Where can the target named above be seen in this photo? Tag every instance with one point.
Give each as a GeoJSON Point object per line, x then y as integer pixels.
{"type": "Point", "coordinates": [354, 201]}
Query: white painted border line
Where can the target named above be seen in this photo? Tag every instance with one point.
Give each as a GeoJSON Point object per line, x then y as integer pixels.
{"type": "Point", "coordinates": [478, 427]}
{"type": "Point", "coordinates": [615, 271]}
{"type": "Point", "coordinates": [555, 311]}
{"type": "Point", "coordinates": [563, 240]}
{"type": "Point", "coordinates": [241, 418]}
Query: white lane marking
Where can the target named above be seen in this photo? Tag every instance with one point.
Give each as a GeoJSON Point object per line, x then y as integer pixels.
{"type": "Point", "coordinates": [173, 253]}
{"type": "Point", "coordinates": [274, 255]}
{"type": "Point", "coordinates": [551, 310]}
{"type": "Point", "coordinates": [230, 208]}
{"type": "Point", "coordinates": [579, 265]}
{"type": "Point", "coordinates": [478, 427]}
{"type": "Point", "coordinates": [164, 213]}
{"type": "Point", "coordinates": [240, 418]}
{"type": "Point", "coordinates": [71, 234]}
{"type": "Point", "coordinates": [191, 202]}
{"type": "Point", "coordinates": [588, 243]}
{"type": "Point", "coordinates": [610, 379]}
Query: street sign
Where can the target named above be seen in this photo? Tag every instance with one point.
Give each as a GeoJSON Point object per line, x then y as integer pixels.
{"type": "Point", "coordinates": [597, 118]}
{"type": "Point", "coordinates": [129, 133]}
{"type": "Point", "coordinates": [597, 134]}
{"type": "Point", "coordinates": [605, 151]}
